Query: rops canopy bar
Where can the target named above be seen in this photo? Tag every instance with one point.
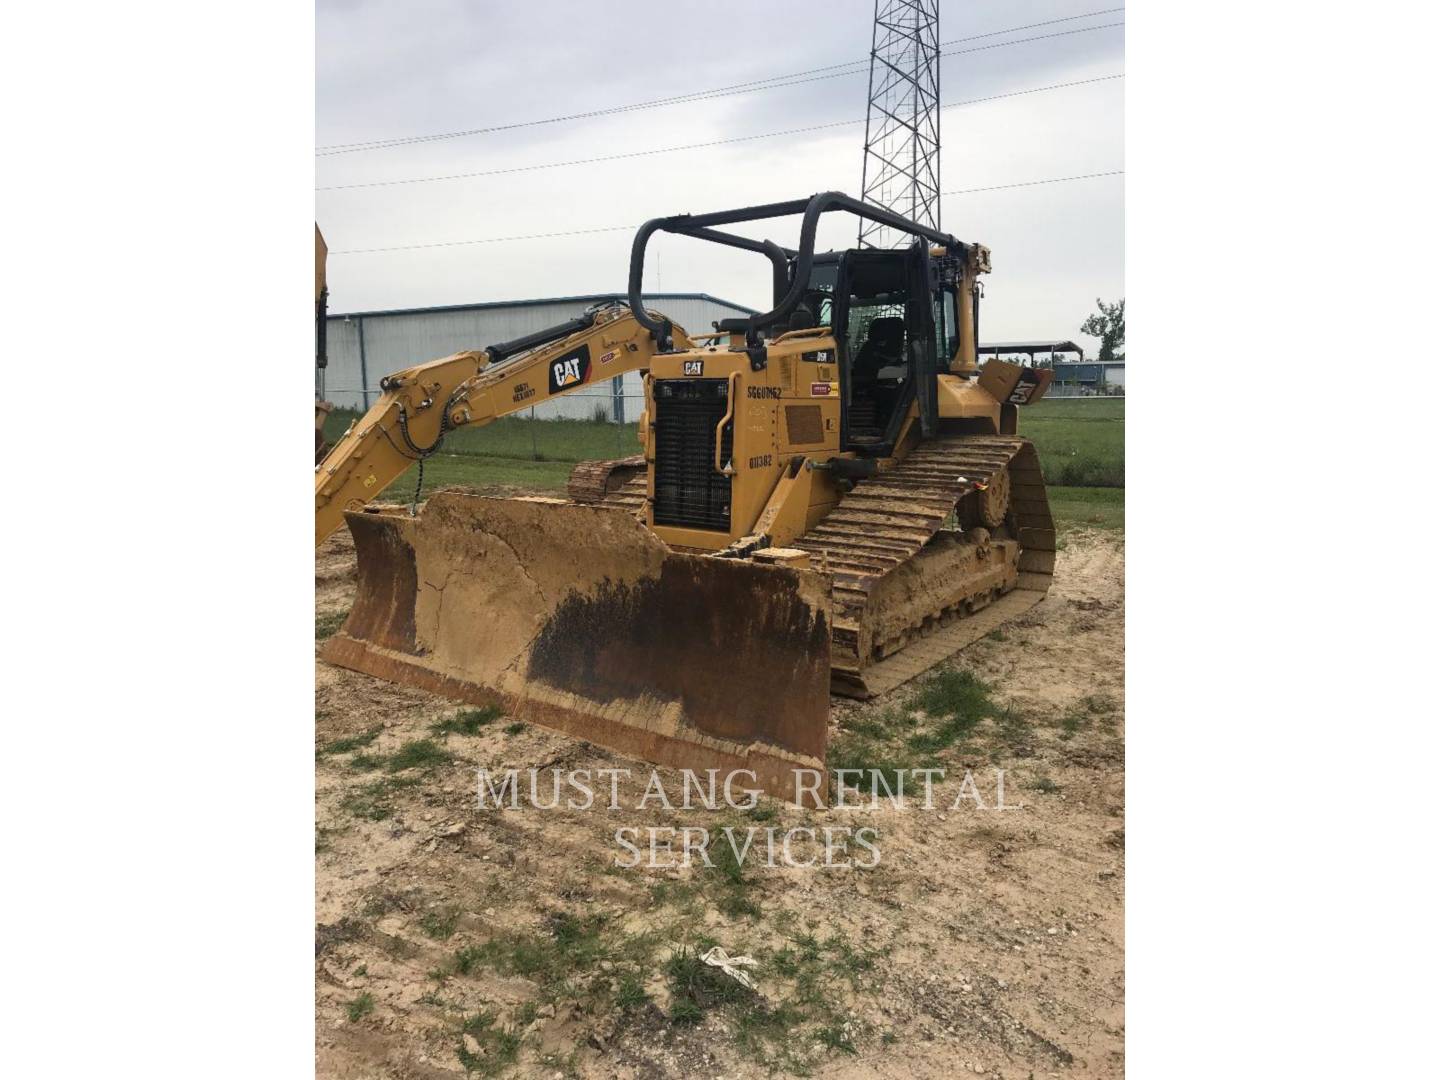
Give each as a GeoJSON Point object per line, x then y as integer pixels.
{"type": "Point", "coordinates": [700, 226]}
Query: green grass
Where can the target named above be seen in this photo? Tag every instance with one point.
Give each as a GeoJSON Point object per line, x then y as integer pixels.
{"type": "Point", "coordinates": [347, 743]}
{"type": "Point", "coordinates": [512, 452]}
{"type": "Point", "coordinates": [440, 923]}
{"type": "Point", "coordinates": [884, 745]}
{"type": "Point", "coordinates": [572, 944]}
{"type": "Point", "coordinates": [835, 1037]}
{"type": "Point", "coordinates": [729, 884]}
{"type": "Point", "coordinates": [466, 722]}
{"type": "Point", "coordinates": [499, 1046]}
{"type": "Point", "coordinates": [880, 765]}
{"type": "Point", "coordinates": [696, 987]}
{"type": "Point", "coordinates": [418, 754]}
{"type": "Point", "coordinates": [515, 438]}
{"type": "Point", "coordinates": [1081, 443]}
{"type": "Point", "coordinates": [950, 712]}
{"type": "Point", "coordinates": [371, 802]}
{"type": "Point", "coordinates": [455, 470]}
{"type": "Point", "coordinates": [1088, 508]}
{"type": "Point", "coordinates": [959, 700]}
{"type": "Point", "coordinates": [363, 1005]}
{"type": "Point", "coordinates": [328, 623]}
{"type": "Point", "coordinates": [631, 993]}
{"type": "Point", "coordinates": [1073, 507]}
{"type": "Point", "coordinates": [591, 958]}
{"type": "Point", "coordinates": [1081, 440]}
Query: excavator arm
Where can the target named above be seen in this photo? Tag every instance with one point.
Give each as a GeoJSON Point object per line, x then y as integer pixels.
{"type": "Point", "coordinates": [420, 405]}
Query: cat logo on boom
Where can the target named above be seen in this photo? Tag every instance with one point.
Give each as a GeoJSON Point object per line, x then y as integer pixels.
{"type": "Point", "coordinates": [571, 369]}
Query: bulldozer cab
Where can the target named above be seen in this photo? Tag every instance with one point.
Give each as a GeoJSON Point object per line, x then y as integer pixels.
{"type": "Point", "coordinates": [889, 322]}
{"type": "Point", "coordinates": [892, 312]}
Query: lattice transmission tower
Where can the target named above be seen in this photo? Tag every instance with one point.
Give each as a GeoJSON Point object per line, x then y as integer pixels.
{"type": "Point", "coordinates": [901, 168]}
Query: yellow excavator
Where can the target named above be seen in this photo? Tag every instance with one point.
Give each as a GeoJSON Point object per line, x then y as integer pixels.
{"type": "Point", "coordinates": [831, 497]}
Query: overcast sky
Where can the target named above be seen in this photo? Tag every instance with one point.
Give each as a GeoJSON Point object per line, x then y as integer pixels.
{"type": "Point", "coordinates": [390, 69]}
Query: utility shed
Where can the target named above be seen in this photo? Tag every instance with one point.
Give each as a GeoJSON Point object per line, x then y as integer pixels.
{"type": "Point", "coordinates": [1030, 349]}
{"type": "Point", "coordinates": [365, 346]}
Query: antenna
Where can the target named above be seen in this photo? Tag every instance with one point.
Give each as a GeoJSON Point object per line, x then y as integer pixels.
{"type": "Point", "coordinates": [901, 166]}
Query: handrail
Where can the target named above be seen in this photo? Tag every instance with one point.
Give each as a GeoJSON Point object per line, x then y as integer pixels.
{"type": "Point", "coordinates": [809, 331]}
{"type": "Point", "coordinates": [720, 427]}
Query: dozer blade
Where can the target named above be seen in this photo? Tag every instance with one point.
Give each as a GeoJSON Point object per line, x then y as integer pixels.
{"type": "Point", "coordinates": [579, 619]}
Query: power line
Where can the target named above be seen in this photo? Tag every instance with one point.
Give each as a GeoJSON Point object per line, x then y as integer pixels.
{"type": "Point", "coordinates": [1031, 26]}
{"type": "Point", "coordinates": [486, 240]}
{"type": "Point", "coordinates": [696, 146]}
{"type": "Point", "coordinates": [621, 228]}
{"type": "Point", "coordinates": [1035, 183]}
{"type": "Point", "coordinates": [797, 78]}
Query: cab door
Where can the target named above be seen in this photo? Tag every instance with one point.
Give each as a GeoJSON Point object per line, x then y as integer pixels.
{"type": "Point", "coordinates": [885, 332]}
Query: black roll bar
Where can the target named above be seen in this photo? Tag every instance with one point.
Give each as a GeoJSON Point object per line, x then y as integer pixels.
{"type": "Point", "coordinates": [701, 226]}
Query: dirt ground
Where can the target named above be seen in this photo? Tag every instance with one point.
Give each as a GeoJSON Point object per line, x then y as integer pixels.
{"type": "Point", "coordinates": [986, 941]}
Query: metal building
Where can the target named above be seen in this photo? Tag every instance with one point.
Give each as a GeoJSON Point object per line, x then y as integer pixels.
{"type": "Point", "coordinates": [364, 346]}
{"type": "Point", "coordinates": [1093, 375]}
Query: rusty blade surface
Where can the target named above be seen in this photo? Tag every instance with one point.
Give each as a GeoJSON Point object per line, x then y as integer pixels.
{"type": "Point", "coordinates": [580, 619]}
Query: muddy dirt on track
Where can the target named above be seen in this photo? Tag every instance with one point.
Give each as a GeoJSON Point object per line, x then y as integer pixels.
{"type": "Point", "coordinates": [454, 940]}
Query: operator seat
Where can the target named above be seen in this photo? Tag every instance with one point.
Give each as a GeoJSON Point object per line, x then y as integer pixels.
{"type": "Point", "coordinates": [871, 401]}
{"type": "Point", "coordinates": [884, 347]}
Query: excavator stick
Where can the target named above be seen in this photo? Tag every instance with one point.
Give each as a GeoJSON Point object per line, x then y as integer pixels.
{"type": "Point", "coordinates": [579, 619]}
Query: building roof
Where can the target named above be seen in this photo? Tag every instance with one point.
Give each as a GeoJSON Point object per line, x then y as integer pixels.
{"type": "Point", "coordinates": [1031, 347]}
{"type": "Point", "coordinates": [589, 298]}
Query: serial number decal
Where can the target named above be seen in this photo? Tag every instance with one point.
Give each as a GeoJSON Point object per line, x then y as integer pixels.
{"type": "Point", "coordinates": [694, 367]}
{"type": "Point", "coordinates": [758, 392]}
{"type": "Point", "coordinates": [522, 391]}
{"type": "Point", "coordinates": [569, 370]}
{"type": "Point", "coordinates": [819, 389]}
{"type": "Point", "coordinates": [760, 462]}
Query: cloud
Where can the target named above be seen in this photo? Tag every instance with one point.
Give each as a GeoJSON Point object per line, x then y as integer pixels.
{"type": "Point", "coordinates": [393, 69]}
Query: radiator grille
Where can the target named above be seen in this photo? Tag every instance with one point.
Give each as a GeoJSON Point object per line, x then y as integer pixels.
{"type": "Point", "coordinates": [802, 424]}
{"type": "Point", "coordinates": [688, 490]}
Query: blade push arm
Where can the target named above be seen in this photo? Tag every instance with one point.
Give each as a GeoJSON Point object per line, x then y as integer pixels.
{"type": "Point", "coordinates": [419, 405]}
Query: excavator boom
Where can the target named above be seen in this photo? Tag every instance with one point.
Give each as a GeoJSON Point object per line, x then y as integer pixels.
{"type": "Point", "coordinates": [419, 405]}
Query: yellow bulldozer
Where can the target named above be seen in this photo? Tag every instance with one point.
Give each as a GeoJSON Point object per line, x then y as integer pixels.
{"type": "Point", "coordinates": [831, 498]}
